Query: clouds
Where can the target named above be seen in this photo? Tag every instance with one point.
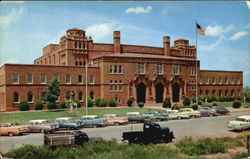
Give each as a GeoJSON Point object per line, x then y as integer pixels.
{"type": "Point", "coordinates": [13, 16]}
{"type": "Point", "coordinates": [238, 35]}
{"type": "Point", "coordinates": [218, 30]}
{"type": "Point", "coordinates": [138, 10]}
{"type": "Point", "coordinates": [248, 4]}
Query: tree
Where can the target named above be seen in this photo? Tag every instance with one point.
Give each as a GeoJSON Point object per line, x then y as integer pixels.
{"type": "Point", "coordinates": [246, 93]}
{"type": "Point", "coordinates": [186, 101]}
{"type": "Point", "coordinates": [112, 102]}
{"type": "Point", "coordinates": [52, 93]}
{"type": "Point", "coordinates": [166, 103]}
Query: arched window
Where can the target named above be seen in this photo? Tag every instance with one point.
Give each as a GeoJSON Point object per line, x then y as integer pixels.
{"type": "Point", "coordinates": [207, 91]}
{"type": "Point", "coordinates": [80, 96]}
{"type": "Point", "coordinates": [200, 92]}
{"type": "Point", "coordinates": [92, 94]}
{"type": "Point", "coordinates": [15, 97]}
{"type": "Point", "coordinates": [220, 92]}
{"type": "Point", "coordinates": [226, 92]}
{"type": "Point", "coordinates": [30, 97]}
{"type": "Point", "coordinates": [213, 92]}
{"type": "Point", "coordinates": [232, 92]}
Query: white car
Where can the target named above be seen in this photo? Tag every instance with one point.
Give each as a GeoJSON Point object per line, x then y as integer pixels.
{"type": "Point", "coordinates": [240, 123]}
{"type": "Point", "coordinates": [189, 111]}
{"type": "Point", "coordinates": [174, 114]}
{"type": "Point", "coordinates": [115, 119]}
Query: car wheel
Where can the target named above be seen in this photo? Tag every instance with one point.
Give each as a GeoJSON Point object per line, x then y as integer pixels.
{"type": "Point", "coordinates": [179, 118]}
{"type": "Point", "coordinates": [116, 123]}
{"type": "Point", "coordinates": [42, 131]}
{"type": "Point", "coordinates": [10, 133]}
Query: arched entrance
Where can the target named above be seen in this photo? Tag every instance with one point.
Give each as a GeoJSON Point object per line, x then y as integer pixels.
{"type": "Point", "coordinates": [176, 92]}
{"type": "Point", "coordinates": [159, 89]}
{"type": "Point", "coordinates": [141, 92]}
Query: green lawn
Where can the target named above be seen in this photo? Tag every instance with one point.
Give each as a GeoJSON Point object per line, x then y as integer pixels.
{"type": "Point", "coordinates": [24, 117]}
{"type": "Point", "coordinates": [225, 104]}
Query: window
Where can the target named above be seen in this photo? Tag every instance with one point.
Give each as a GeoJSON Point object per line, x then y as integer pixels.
{"type": "Point", "coordinates": [115, 69]}
{"type": "Point", "coordinates": [213, 80]}
{"type": "Point", "coordinates": [80, 96]}
{"type": "Point", "coordinates": [213, 92]}
{"type": "Point", "coordinates": [192, 71]}
{"type": "Point", "coordinates": [111, 86]}
{"type": "Point", "coordinates": [220, 80]}
{"type": "Point", "coordinates": [206, 80]}
{"type": "Point", "coordinates": [232, 82]}
{"type": "Point", "coordinates": [220, 92]}
{"type": "Point", "coordinates": [55, 76]}
{"type": "Point", "coordinates": [92, 94]}
{"type": "Point", "coordinates": [76, 63]}
{"type": "Point", "coordinates": [15, 78]}
{"type": "Point", "coordinates": [111, 69]}
{"type": "Point", "coordinates": [30, 97]}
{"type": "Point", "coordinates": [29, 78]}
{"type": "Point", "coordinates": [91, 79]}
{"type": "Point", "coordinates": [68, 79]}
{"type": "Point", "coordinates": [120, 85]}
{"type": "Point", "coordinates": [42, 78]}
{"type": "Point", "coordinates": [141, 68]}
{"type": "Point", "coordinates": [159, 69]}
{"type": "Point", "coordinates": [120, 69]}
{"type": "Point", "coordinates": [80, 63]}
{"type": "Point", "coordinates": [68, 94]}
{"type": "Point", "coordinates": [238, 82]}
{"type": "Point", "coordinates": [75, 44]}
{"type": "Point", "coordinates": [43, 94]}
{"type": "Point", "coordinates": [226, 80]}
{"type": "Point", "coordinates": [79, 79]}
{"type": "Point", "coordinates": [232, 92]}
{"type": "Point", "coordinates": [176, 69]}
{"type": "Point", "coordinates": [15, 97]}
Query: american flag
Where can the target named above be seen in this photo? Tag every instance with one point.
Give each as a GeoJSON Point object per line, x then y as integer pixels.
{"type": "Point", "coordinates": [200, 30]}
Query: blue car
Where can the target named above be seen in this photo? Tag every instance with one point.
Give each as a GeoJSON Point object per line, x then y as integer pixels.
{"type": "Point", "coordinates": [68, 123]}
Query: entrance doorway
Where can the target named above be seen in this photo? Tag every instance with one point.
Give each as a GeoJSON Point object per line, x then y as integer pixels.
{"type": "Point", "coordinates": [176, 92]}
{"type": "Point", "coordinates": [141, 92]}
{"type": "Point", "coordinates": [159, 89]}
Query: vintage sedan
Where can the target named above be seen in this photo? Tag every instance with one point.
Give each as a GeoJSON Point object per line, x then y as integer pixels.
{"type": "Point", "coordinates": [42, 125]}
{"type": "Point", "coordinates": [93, 121]}
{"type": "Point", "coordinates": [155, 115]}
{"type": "Point", "coordinates": [189, 111]}
{"type": "Point", "coordinates": [135, 117]}
{"type": "Point", "coordinates": [9, 129]}
{"type": "Point", "coordinates": [115, 119]}
{"type": "Point", "coordinates": [174, 114]}
{"type": "Point", "coordinates": [68, 123]}
{"type": "Point", "coordinates": [241, 123]}
{"type": "Point", "coordinates": [221, 110]}
{"type": "Point", "coordinates": [207, 111]}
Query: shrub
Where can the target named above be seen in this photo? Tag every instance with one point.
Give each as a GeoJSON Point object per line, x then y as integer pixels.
{"type": "Point", "coordinates": [102, 103]}
{"type": "Point", "coordinates": [112, 102]}
{"type": "Point", "coordinates": [38, 105]}
{"type": "Point", "coordinates": [194, 106]}
{"type": "Point", "coordinates": [209, 98]}
{"type": "Point", "coordinates": [90, 102]}
{"type": "Point", "coordinates": [141, 104]}
{"type": "Point", "coordinates": [63, 104]}
{"type": "Point", "coordinates": [238, 98]}
{"type": "Point", "coordinates": [24, 105]}
{"type": "Point", "coordinates": [176, 107]}
{"type": "Point", "coordinates": [213, 98]}
{"type": "Point", "coordinates": [97, 101]}
{"type": "Point", "coordinates": [214, 104]}
{"type": "Point", "coordinates": [77, 101]}
{"type": "Point", "coordinates": [51, 105]}
{"type": "Point", "coordinates": [186, 101]}
{"type": "Point", "coordinates": [199, 102]}
{"type": "Point", "coordinates": [166, 103]}
{"type": "Point", "coordinates": [236, 104]}
{"type": "Point", "coordinates": [201, 98]}
{"type": "Point", "coordinates": [229, 98]}
{"type": "Point", "coordinates": [193, 99]}
{"type": "Point", "coordinates": [130, 101]}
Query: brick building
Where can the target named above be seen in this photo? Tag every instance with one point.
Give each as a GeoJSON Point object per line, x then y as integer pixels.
{"type": "Point", "coordinates": [146, 73]}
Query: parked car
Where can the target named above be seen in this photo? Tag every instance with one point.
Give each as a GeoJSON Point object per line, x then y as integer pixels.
{"type": "Point", "coordinates": [9, 129]}
{"type": "Point", "coordinates": [174, 114]}
{"type": "Point", "coordinates": [93, 120]}
{"type": "Point", "coordinates": [152, 133]}
{"type": "Point", "coordinates": [189, 111]}
{"type": "Point", "coordinates": [70, 138]}
{"type": "Point", "coordinates": [68, 123]}
{"type": "Point", "coordinates": [155, 115]}
{"type": "Point", "coordinates": [42, 125]}
{"type": "Point", "coordinates": [221, 110]}
{"type": "Point", "coordinates": [207, 111]}
{"type": "Point", "coordinates": [241, 123]}
{"type": "Point", "coordinates": [115, 119]}
{"type": "Point", "coordinates": [135, 117]}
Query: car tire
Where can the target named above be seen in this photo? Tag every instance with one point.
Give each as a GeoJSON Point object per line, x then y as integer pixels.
{"type": "Point", "coordinates": [11, 134]}
{"type": "Point", "coordinates": [179, 118]}
{"type": "Point", "coordinates": [116, 123]}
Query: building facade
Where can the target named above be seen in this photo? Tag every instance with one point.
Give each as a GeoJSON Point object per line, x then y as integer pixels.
{"type": "Point", "coordinates": [146, 73]}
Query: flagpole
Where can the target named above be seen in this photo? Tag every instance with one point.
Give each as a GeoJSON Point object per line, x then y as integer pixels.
{"type": "Point", "coordinates": [196, 69]}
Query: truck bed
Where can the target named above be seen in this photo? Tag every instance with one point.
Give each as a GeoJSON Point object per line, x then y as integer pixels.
{"type": "Point", "coordinates": [59, 139]}
{"type": "Point", "coordinates": [131, 135]}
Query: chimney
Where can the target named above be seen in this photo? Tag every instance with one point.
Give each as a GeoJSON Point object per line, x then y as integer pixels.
{"type": "Point", "coordinates": [166, 45]}
{"type": "Point", "coordinates": [117, 45]}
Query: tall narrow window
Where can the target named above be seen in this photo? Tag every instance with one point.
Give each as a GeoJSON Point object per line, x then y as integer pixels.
{"type": "Point", "coordinates": [111, 86]}
{"type": "Point", "coordinates": [141, 68]}
{"type": "Point", "coordinates": [238, 82]}
{"type": "Point", "coordinates": [120, 69]}
{"type": "Point", "coordinates": [115, 69]}
{"type": "Point", "coordinates": [29, 78]}
{"type": "Point", "coordinates": [206, 80]}
{"type": "Point", "coordinates": [176, 69]}
{"type": "Point", "coordinates": [42, 78]}
{"type": "Point", "coordinates": [91, 79]}
{"type": "Point", "coordinates": [80, 96]}
{"type": "Point", "coordinates": [220, 80]}
{"type": "Point", "coordinates": [111, 69]}
{"type": "Point", "coordinates": [226, 80]}
{"type": "Point", "coordinates": [30, 97]}
{"type": "Point", "coordinates": [15, 78]}
{"type": "Point", "coordinates": [43, 94]}
{"type": "Point", "coordinates": [15, 97]}
{"type": "Point", "coordinates": [159, 69]}
{"type": "Point", "coordinates": [232, 92]}
{"type": "Point", "coordinates": [79, 79]}
{"type": "Point", "coordinates": [68, 79]}
{"type": "Point", "coordinates": [226, 92]}
{"type": "Point", "coordinates": [213, 80]}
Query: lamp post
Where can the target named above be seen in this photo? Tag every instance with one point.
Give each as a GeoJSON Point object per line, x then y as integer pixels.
{"type": "Point", "coordinates": [86, 87]}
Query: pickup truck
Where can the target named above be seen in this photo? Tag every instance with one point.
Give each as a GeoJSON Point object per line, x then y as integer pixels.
{"type": "Point", "coordinates": [93, 120]}
{"type": "Point", "coordinates": [241, 123]}
{"type": "Point", "coordinates": [42, 125]}
{"type": "Point", "coordinates": [189, 111]}
{"type": "Point", "coordinates": [9, 129]}
{"type": "Point", "coordinates": [114, 119]}
{"type": "Point", "coordinates": [152, 133]}
{"type": "Point", "coordinates": [60, 138]}
{"type": "Point", "coordinates": [68, 123]}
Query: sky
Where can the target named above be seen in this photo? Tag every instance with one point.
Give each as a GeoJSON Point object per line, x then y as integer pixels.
{"type": "Point", "coordinates": [27, 27]}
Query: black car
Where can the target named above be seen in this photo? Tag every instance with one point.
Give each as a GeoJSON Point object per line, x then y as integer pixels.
{"type": "Point", "coordinates": [221, 110]}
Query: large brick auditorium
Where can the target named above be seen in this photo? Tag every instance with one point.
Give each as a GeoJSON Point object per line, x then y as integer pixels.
{"type": "Point", "coordinates": [146, 73]}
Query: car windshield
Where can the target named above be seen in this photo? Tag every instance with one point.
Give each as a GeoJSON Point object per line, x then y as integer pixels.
{"type": "Point", "coordinates": [96, 117]}
{"type": "Point", "coordinates": [240, 119]}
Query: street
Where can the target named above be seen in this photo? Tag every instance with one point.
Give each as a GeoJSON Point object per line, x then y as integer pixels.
{"type": "Point", "coordinates": [199, 127]}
